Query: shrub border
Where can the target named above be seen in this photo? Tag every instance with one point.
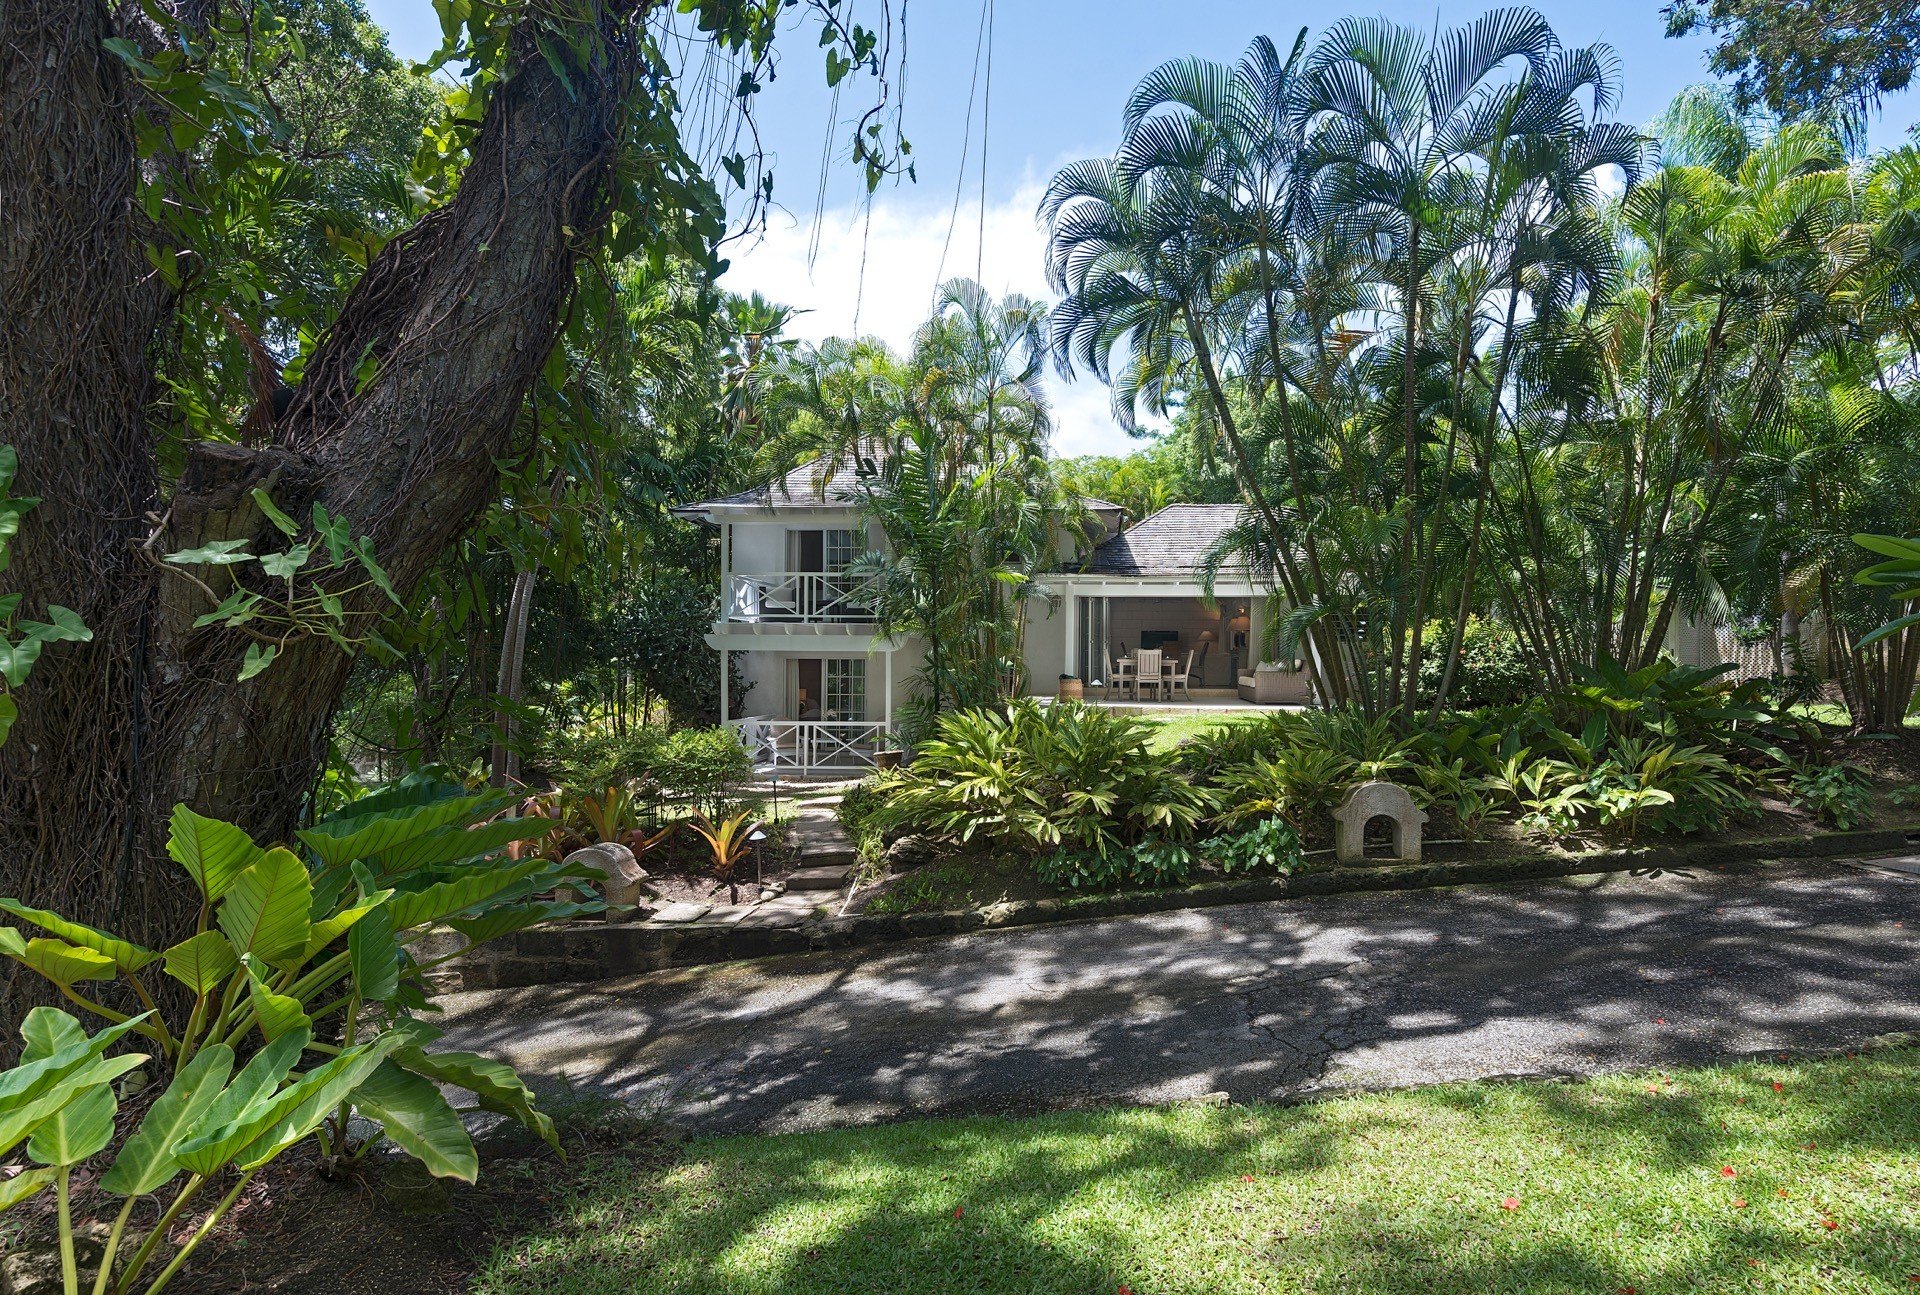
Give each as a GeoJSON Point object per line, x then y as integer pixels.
{"type": "Point", "coordinates": [584, 952]}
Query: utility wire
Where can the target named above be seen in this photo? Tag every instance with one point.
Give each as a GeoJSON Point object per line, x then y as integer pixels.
{"type": "Point", "coordinates": [966, 140]}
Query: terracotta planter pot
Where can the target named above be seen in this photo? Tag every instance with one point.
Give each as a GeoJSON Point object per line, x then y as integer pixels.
{"type": "Point", "coordinates": [1072, 690]}
{"type": "Point", "coordinates": [884, 760]}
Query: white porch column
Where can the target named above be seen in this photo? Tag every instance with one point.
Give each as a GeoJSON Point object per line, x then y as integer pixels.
{"type": "Point", "coordinates": [726, 601]}
{"type": "Point", "coordinates": [886, 713]}
{"type": "Point", "coordinates": [1072, 625]}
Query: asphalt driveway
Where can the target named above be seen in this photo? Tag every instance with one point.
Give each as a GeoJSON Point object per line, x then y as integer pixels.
{"type": "Point", "coordinates": [1260, 1001]}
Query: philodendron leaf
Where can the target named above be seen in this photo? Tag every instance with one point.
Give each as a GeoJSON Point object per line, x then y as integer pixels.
{"type": "Point", "coordinates": [81, 1128]}
{"type": "Point", "coordinates": [301, 1107]}
{"type": "Point", "coordinates": [215, 853]}
{"type": "Point", "coordinates": [202, 962]}
{"type": "Point", "coordinates": [328, 929]}
{"type": "Point", "coordinates": [494, 1085]}
{"type": "Point", "coordinates": [62, 963]}
{"type": "Point", "coordinates": [437, 903]}
{"type": "Point", "coordinates": [265, 911]}
{"type": "Point", "coordinates": [22, 1186]}
{"type": "Point", "coordinates": [374, 956]}
{"type": "Point", "coordinates": [341, 841]}
{"type": "Point", "coordinates": [419, 1121]}
{"type": "Point", "coordinates": [47, 1030]}
{"type": "Point", "coordinates": [146, 1163]}
{"type": "Point", "coordinates": [126, 955]}
{"type": "Point", "coordinates": [234, 1116]}
{"type": "Point", "coordinates": [278, 1013]}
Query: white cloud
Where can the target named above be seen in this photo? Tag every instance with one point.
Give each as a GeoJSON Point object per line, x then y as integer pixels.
{"type": "Point", "coordinates": [903, 242]}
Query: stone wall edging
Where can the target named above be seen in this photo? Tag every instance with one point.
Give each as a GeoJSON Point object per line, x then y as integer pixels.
{"type": "Point", "coordinates": [586, 951]}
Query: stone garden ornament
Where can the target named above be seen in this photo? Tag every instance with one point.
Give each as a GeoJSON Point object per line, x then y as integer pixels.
{"type": "Point", "coordinates": [1366, 802]}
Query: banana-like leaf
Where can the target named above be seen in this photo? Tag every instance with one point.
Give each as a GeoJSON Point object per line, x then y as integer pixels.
{"type": "Point", "coordinates": [278, 1014]}
{"type": "Point", "coordinates": [62, 963]}
{"type": "Point", "coordinates": [374, 956]}
{"type": "Point", "coordinates": [265, 911]}
{"type": "Point", "coordinates": [80, 1128]}
{"type": "Point", "coordinates": [497, 922]}
{"type": "Point", "coordinates": [328, 929]}
{"type": "Point", "coordinates": [24, 1120]}
{"type": "Point", "coordinates": [202, 962]}
{"type": "Point", "coordinates": [48, 1030]}
{"type": "Point", "coordinates": [32, 1078]}
{"type": "Point", "coordinates": [419, 1121]}
{"type": "Point", "coordinates": [460, 842]}
{"type": "Point", "coordinates": [301, 1108]}
{"type": "Point", "coordinates": [146, 1163]}
{"type": "Point", "coordinates": [214, 853]}
{"type": "Point", "coordinates": [125, 954]}
{"type": "Point", "coordinates": [230, 1121]}
{"type": "Point", "coordinates": [362, 837]}
{"type": "Point", "coordinates": [22, 1186]}
{"type": "Point", "coordinates": [439, 902]}
{"type": "Point", "coordinates": [494, 1085]}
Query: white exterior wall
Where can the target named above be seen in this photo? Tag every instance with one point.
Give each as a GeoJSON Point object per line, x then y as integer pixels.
{"type": "Point", "coordinates": [1046, 646]}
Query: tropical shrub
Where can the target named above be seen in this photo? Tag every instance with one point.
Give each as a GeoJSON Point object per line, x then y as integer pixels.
{"type": "Point", "coordinates": [284, 941]}
{"type": "Point", "coordinates": [1492, 669]}
{"type": "Point", "coordinates": [1838, 793]}
{"type": "Point", "coordinates": [590, 757]}
{"type": "Point", "coordinates": [1153, 862]}
{"type": "Point", "coordinates": [1300, 784]}
{"type": "Point", "coordinates": [1267, 845]}
{"type": "Point", "coordinates": [706, 767]}
{"type": "Point", "coordinates": [1040, 779]}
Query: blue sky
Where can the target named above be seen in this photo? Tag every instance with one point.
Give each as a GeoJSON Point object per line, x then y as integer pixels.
{"type": "Point", "coordinates": [1061, 70]}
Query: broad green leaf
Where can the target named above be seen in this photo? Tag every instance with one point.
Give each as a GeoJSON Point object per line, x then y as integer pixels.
{"type": "Point", "coordinates": [494, 1085]}
{"type": "Point", "coordinates": [299, 1109]}
{"type": "Point", "coordinates": [125, 954]}
{"type": "Point", "coordinates": [81, 1128]}
{"type": "Point", "coordinates": [214, 853]}
{"type": "Point", "coordinates": [22, 1186]}
{"type": "Point", "coordinates": [362, 837]}
{"type": "Point", "coordinates": [146, 1163]}
{"type": "Point", "coordinates": [213, 553]}
{"type": "Point", "coordinates": [493, 924]}
{"type": "Point", "coordinates": [281, 522]}
{"type": "Point", "coordinates": [202, 962]}
{"type": "Point", "coordinates": [419, 1121]}
{"type": "Point", "coordinates": [374, 956]}
{"type": "Point", "coordinates": [259, 656]}
{"type": "Point", "coordinates": [461, 842]}
{"type": "Point", "coordinates": [265, 911]}
{"type": "Point", "coordinates": [22, 1120]}
{"type": "Point", "coordinates": [60, 962]}
{"type": "Point", "coordinates": [278, 1013]}
{"type": "Point", "coordinates": [9, 712]}
{"type": "Point", "coordinates": [230, 1121]}
{"type": "Point", "coordinates": [329, 929]}
{"type": "Point", "coordinates": [48, 1030]}
{"type": "Point", "coordinates": [439, 902]}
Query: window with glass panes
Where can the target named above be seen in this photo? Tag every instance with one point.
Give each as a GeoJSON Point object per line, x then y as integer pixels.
{"type": "Point", "coordinates": [846, 688]}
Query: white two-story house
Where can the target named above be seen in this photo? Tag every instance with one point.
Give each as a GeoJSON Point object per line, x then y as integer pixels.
{"type": "Point", "coordinates": [822, 685]}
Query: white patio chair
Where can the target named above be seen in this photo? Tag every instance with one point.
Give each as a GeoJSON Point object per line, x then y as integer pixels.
{"type": "Point", "coordinates": [1180, 677]}
{"type": "Point", "coordinates": [1107, 681]}
{"type": "Point", "coordinates": [1147, 672]}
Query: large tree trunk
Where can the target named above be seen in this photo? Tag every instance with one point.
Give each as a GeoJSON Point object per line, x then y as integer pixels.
{"type": "Point", "coordinates": [460, 313]}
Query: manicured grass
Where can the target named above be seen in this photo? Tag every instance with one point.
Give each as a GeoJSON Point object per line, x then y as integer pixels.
{"type": "Point", "coordinates": [1696, 1181]}
{"type": "Point", "coordinates": [1175, 727]}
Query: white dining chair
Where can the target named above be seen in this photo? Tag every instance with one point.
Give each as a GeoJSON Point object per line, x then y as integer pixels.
{"type": "Point", "coordinates": [1146, 672]}
{"type": "Point", "coordinates": [1180, 677]}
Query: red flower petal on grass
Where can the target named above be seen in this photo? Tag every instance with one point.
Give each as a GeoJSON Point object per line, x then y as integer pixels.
{"type": "Point", "coordinates": [1783, 1193]}
{"type": "Point", "coordinates": [1779, 1087]}
{"type": "Point", "coordinates": [957, 1210]}
{"type": "Point", "coordinates": [1728, 1171]}
{"type": "Point", "coordinates": [1740, 1202]}
{"type": "Point", "coordinates": [1246, 1178]}
{"type": "Point", "coordinates": [1509, 1202]}
{"type": "Point", "coordinates": [1124, 1289]}
{"type": "Point", "coordinates": [1828, 1224]}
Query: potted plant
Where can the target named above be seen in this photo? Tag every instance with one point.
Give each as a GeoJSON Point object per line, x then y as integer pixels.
{"type": "Point", "coordinates": [1071, 689]}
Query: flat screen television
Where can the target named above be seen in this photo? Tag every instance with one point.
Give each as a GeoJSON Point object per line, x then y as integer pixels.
{"type": "Point", "coordinates": [1162, 639]}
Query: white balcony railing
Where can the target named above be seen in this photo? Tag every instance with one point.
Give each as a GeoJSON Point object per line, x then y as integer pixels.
{"type": "Point", "coordinates": [805, 746]}
{"type": "Point", "coordinates": [799, 597]}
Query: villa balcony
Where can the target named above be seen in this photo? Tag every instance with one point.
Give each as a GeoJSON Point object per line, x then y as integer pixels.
{"type": "Point", "coordinates": [810, 747]}
{"type": "Point", "coordinates": [798, 598]}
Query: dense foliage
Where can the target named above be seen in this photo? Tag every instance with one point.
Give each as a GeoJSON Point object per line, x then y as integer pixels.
{"type": "Point", "coordinates": [1475, 353]}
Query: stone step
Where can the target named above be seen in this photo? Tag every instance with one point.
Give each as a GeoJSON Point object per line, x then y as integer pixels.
{"type": "Point", "coordinates": [832, 877]}
{"type": "Point", "coordinates": [686, 910]}
{"type": "Point", "coordinates": [830, 857]}
{"type": "Point", "coordinates": [788, 910]}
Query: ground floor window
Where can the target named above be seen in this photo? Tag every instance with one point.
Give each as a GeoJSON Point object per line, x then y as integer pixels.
{"type": "Point", "coordinates": [833, 688]}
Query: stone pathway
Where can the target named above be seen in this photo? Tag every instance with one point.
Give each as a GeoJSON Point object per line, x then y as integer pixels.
{"type": "Point", "coordinates": [1262, 1001]}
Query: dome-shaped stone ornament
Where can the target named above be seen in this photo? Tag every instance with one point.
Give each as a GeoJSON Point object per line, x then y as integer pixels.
{"type": "Point", "coordinates": [1368, 801]}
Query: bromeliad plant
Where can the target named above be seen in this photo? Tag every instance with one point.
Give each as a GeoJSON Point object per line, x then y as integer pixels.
{"type": "Point", "coordinates": [729, 840]}
{"type": "Point", "coordinates": [286, 946]}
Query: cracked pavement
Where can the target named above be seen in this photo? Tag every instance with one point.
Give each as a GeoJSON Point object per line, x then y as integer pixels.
{"type": "Point", "coordinates": [1267, 1001]}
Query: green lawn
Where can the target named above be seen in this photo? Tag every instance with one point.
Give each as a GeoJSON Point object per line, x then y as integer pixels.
{"type": "Point", "coordinates": [1176, 727]}
{"type": "Point", "coordinates": [1696, 1181]}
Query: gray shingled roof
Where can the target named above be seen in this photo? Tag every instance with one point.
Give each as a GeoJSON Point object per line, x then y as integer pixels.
{"type": "Point", "coordinates": [802, 488]}
{"type": "Point", "coordinates": [1171, 542]}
